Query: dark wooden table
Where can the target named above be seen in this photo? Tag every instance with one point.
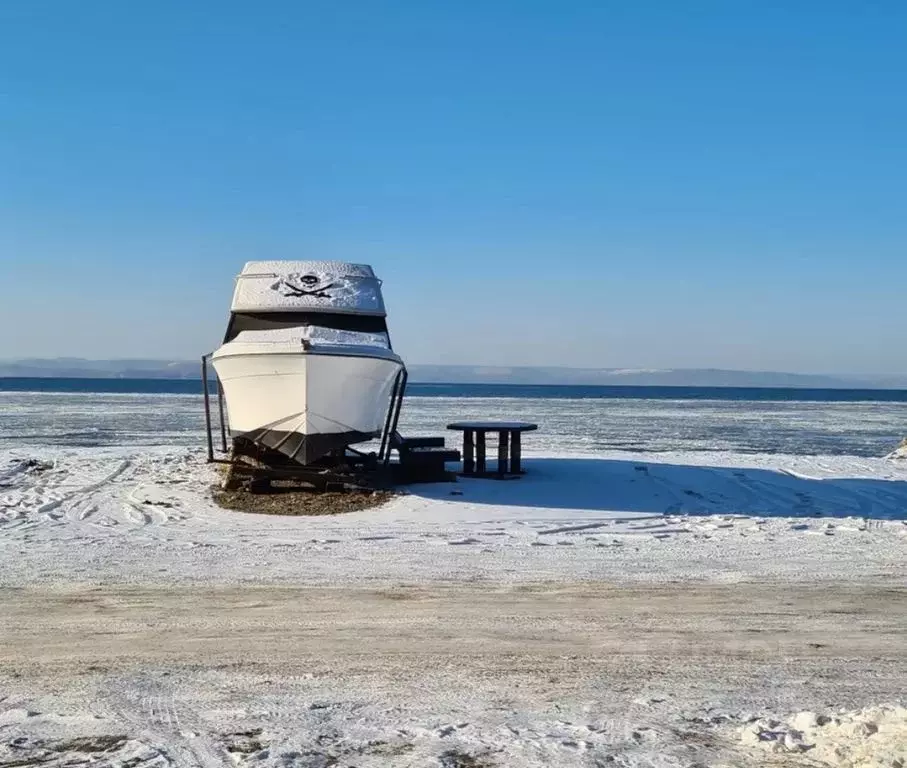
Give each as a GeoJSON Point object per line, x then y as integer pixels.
{"type": "Point", "coordinates": [509, 446]}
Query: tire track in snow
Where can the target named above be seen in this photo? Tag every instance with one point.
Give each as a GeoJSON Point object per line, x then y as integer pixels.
{"type": "Point", "coordinates": [49, 499]}
{"type": "Point", "coordinates": [151, 711]}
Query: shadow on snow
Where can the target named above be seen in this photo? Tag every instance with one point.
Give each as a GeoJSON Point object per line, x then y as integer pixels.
{"type": "Point", "coordinates": [620, 486]}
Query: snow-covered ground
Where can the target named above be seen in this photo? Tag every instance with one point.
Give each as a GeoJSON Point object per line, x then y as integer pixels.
{"type": "Point", "coordinates": [457, 675]}
{"type": "Point", "coordinates": [680, 607]}
{"type": "Point", "coordinates": [146, 516]}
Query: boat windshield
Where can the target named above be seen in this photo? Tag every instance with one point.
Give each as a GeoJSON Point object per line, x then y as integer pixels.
{"type": "Point", "coordinates": [270, 321]}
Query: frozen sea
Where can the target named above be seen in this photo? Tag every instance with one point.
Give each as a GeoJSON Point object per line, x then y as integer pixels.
{"type": "Point", "coordinates": [572, 420]}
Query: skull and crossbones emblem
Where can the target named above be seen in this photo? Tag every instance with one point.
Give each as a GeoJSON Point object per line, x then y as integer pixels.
{"type": "Point", "coordinates": [303, 285]}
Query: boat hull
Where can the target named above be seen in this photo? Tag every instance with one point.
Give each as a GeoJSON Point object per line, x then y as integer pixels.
{"type": "Point", "coordinates": [306, 403]}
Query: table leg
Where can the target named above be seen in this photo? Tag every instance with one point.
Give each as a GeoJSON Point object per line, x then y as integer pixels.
{"type": "Point", "coordinates": [503, 447]}
{"type": "Point", "coordinates": [516, 453]}
{"type": "Point", "coordinates": [469, 464]}
{"type": "Point", "coordinates": [480, 452]}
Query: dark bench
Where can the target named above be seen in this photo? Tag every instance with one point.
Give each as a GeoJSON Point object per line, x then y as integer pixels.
{"type": "Point", "coordinates": [423, 459]}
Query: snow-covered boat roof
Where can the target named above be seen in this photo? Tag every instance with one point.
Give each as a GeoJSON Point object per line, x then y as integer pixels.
{"type": "Point", "coordinates": [308, 286]}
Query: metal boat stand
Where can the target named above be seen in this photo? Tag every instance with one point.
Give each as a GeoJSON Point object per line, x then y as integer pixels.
{"type": "Point", "coordinates": [220, 410]}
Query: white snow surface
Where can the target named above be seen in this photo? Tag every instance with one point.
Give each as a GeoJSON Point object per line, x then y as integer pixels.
{"type": "Point", "coordinates": [129, 518]}
{"type": "Point", "coordinates": [899, 453]}
{"type": "Point", "coordinates": [145, 515]}
{"type": "Point", "coordinates": [872, 736]}
{"type": "Point", "coordinates": [134, 512]}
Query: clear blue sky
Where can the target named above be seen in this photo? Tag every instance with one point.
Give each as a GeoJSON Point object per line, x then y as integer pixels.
{"type": "Point", "coordinates": [615, 184]}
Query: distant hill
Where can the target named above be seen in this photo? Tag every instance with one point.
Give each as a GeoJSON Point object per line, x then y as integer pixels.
{"type": "Point", "coordinates": [466, 374]}
{"type": "Point", "coordinates": [618, 377]}
{"type": "Point", "coordinates": [78, 368]}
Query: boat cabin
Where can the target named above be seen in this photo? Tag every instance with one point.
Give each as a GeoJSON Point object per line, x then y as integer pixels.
{"type": "Point", "coordinates": [331, 298]}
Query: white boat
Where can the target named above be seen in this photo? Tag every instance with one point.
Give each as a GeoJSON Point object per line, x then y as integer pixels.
{"type": "Point", "coordinates": [307, 365]}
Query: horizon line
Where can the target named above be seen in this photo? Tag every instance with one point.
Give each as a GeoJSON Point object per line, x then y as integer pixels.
{"type": "Point", "coordinates": [502, 367]}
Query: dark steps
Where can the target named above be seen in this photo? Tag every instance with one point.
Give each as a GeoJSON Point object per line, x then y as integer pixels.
{"type": "Point", "coordinates": [421, 442]}
{"type": "Point", "coordinates": [423, 459]}
{"type": "Point", "coordinates": [428, 455]}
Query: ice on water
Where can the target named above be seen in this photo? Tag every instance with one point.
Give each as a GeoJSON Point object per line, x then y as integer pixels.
{"type": "Point", "coordinates": [568, 426]}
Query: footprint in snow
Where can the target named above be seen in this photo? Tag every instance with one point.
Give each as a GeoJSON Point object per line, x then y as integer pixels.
{"type": "Point", "coordinates": [17, 715]}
